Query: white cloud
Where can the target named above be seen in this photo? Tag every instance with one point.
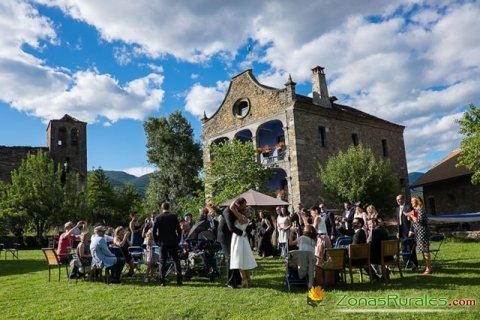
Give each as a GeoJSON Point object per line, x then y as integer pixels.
{"type": "Point", "coordinates": [194, 76]}
{"type": "Point", "coordinates": [29, 85]}
{"type": "Point", "coordinates": [88, 95]}
{"type": "Point", "coordinates": [200, 99]}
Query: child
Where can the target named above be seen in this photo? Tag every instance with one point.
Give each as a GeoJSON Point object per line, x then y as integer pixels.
{"type": "Point", "coordinates": [151, 258]}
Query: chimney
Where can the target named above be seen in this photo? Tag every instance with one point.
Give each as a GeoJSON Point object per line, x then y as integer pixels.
{"type": "Point", "coordinates": [290, 86]}
{"type": "Point", "coordinates": [319, 88]}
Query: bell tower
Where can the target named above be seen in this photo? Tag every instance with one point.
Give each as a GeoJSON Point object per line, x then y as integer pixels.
{"type": "Point", "coordinates": [67, 145]}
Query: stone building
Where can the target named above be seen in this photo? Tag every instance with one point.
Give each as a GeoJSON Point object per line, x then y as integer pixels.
{"type": "Point", "coordinates": [448, 189]}
{"type": "Point", "coordinates": [66, 144]}
{"type": "Point", "coordinates": [295, 133]}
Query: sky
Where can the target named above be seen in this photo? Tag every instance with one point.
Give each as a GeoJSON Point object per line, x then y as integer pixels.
{"type": "Point", "coordinates": [115, 63]}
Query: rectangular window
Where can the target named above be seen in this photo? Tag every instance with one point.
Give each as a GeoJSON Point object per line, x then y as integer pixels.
{"type": "Point", "coordinates": [385, 147]}
{"type": "Point", "coordinates": [355, 139]}
{"type": "Point", "coordinates": [322, 132]}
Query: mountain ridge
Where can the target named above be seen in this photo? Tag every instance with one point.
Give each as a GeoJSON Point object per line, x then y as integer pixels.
{"type": "Point", "coordinates": [120, 178]}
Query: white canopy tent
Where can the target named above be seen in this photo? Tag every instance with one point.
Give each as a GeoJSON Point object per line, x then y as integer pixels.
{"type": "Point", "coordinates": [257, 199]}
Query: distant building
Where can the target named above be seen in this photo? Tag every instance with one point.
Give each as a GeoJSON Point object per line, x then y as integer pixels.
{"type": "Point", "coordinates": [295, 133]}
{"type": "Point", "coordinates": [448, 189]}
{"type": "Point", "coordinates": [66, 144]}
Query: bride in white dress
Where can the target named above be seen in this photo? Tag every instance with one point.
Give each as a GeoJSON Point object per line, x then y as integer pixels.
{"type": "Point", "coordinates": [241, 255]}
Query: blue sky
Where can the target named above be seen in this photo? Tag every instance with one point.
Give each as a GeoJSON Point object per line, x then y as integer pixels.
{"type": "Point", "coordinates": [115, 63]}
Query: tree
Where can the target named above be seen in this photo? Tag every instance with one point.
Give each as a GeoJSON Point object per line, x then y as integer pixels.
{"type": "Point", "coordinates": [470, 145]}
{"type": "Point", "coordinates": [171, 147]}
{"type": "Point", "coordinates": [234, 170]}
{"type": "Point", "coordinates": [356, 175]}
{"type": "Point", "coordinates": [38, 196]}
{"type": "Point", "coordinates": [101, 197]}
{"type": "Point", "coordinates": [128, 199]}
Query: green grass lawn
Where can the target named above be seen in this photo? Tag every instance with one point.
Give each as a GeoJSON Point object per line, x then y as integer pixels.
{"type": "Point", "coordinates": [26, 294]}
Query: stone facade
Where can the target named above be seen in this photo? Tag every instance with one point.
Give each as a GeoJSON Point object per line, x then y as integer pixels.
{"type": "Point", "coordinates": [305, 131]}
{"type": "Point", "coordinates": [66, 144]}
{"type": "Point", "coordinates": [456, 195]}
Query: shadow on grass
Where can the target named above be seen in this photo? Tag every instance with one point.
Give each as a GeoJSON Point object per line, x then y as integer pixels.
{"type": "Point", "coordinates": [22, 266]}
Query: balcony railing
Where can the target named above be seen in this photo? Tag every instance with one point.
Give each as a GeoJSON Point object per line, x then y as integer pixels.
{"type": "Point", "coordinates": [272, 157]}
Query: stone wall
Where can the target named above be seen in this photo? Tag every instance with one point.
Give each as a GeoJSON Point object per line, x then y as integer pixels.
{"type": "Point", "coordinates": [453, 196]}
{"type": "Point", "coordinates": [11, 158]}
{"type": "Point", "coordinates": [339, 127]}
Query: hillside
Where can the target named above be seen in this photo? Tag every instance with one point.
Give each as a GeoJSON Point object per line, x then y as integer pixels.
{"type": "Point", "coordinates": [412, 176]}
{"type": "Point", "coordinates": [120, 178]}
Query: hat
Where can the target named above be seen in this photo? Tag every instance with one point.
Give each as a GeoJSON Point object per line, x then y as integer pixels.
{"type": "Point", "coordinates": [99, 229]}
{"type": "Point", "coordinates": [68, 224]}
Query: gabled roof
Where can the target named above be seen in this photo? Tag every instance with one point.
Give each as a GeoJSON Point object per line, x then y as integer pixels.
{"type": "Point", "coordinates": [443, 170]}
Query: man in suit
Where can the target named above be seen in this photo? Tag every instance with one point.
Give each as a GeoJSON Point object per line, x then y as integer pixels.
{"type": "Point", "coordinates": [404, 225]}
{"type": "Point", "coordinates": [329, 219]}
{"type": "Point", "coordinates": [167, 234]}
{"type": "Point", "coordinates": [226, 228]}
{"type": "Point", "coordinates": [347, 219]}
{"type": "Point", "coordinates": [359, 235]}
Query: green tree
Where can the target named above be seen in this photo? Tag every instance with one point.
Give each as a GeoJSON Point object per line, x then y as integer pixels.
{"type": "Point", "coordinates": [128, 199]}
{"type": "Point", "coordinates": [356, 175]}
{"type": "Point", "coordinates": [171, 147]}
{"type": "Point", "coordinates": [470, 145]}
{"type": "Point", "coordinates": [40, 196]}
{"type": "Point", "coordinates": [234, 170]}
{"type": "Point", "coordinates": [193, 203]}
{"type": "Point", "coordinates": [101, 197]}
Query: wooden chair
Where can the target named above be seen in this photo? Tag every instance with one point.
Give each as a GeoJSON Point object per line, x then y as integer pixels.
{"type": "Point", "coordinates": [334, 261]}
{"type": "Point", "coordinates": [390, 255]}
{"type": "Point", "coordinates": [52, 261]}
{"type": "Point", "coordinates": [359, 257]}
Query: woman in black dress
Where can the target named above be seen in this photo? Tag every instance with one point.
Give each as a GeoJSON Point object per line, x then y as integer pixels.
{"type": "Point", "coordinates": [265, 247]}
{"type": "Point", "coordinates": [419, 219]}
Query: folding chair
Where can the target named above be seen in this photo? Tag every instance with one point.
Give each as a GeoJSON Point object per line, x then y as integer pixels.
{"type": "Point", "coordinates": [408, 251]}
{"type": "Point", "coordinates": [52, 261]}
{"type": "Point", "coordinates": [137, 254]}
{"type": "Point", "coordinates": [334, 261]}
{"type": "Point", "coordinates": [359, 257]}
{"type": "Point", "coordinates": [299, 268]}
{"type": "Point", "coordinates": [343, 242]}
{"type": "Point", "coordinates": [10, 247]}
{"type": "Point", "coordinates": [390, 256]}
{"type": "Point", "coordinates": [437, 241]}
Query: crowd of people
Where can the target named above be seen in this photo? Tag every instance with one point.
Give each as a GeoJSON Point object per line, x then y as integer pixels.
{"type": "Point", "coordinates": [239, 230]}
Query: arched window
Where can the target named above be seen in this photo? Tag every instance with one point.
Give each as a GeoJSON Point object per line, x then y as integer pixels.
{"type": "Point", "coordinates": [62, 136]}
{"type": "Point", "coordinates": [74, 136]}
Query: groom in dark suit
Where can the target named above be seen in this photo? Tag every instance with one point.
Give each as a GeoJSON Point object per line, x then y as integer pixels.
{"type": "Point", "coordinates": [404, 225]}
{"type": "Point", "coordinates": [226, 228]}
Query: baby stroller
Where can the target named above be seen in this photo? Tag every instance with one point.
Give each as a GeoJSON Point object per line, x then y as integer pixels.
{"type": "Point", "coordinates": [202, 258]}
